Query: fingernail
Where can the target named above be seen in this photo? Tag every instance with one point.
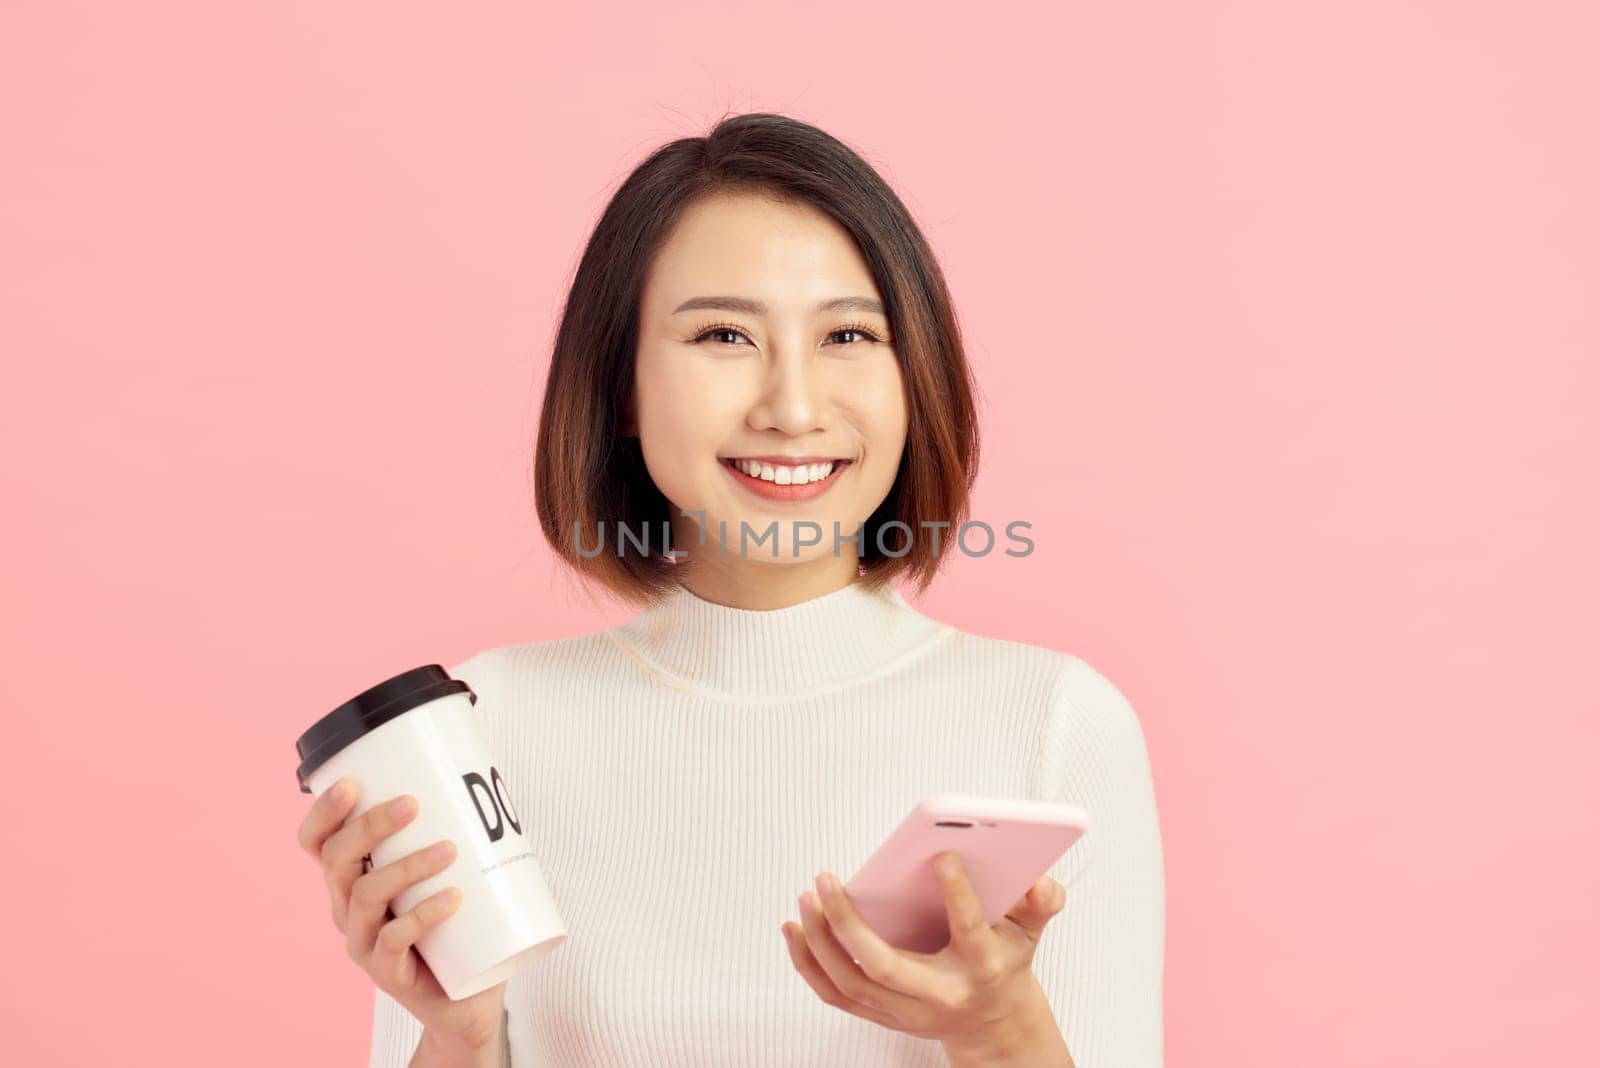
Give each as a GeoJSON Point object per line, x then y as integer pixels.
{"type": "Point", "coordinates": [806, 906]}
{"type": "Point", "coordinates": [400, 806]}
{"type": "Point", "coordinates": [826, 883]}
{"type": "Point", "coordinates": [341, 790]}
{"type": "Point", "coordinates": [947, 865]}
{"type": "Point", "coordinates": [440, 851]}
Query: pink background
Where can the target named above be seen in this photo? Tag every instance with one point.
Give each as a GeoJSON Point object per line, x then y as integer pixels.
{"type": "Point", "coordinates": [1286, 322]}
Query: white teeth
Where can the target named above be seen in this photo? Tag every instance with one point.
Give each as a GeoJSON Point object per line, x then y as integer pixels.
{"type": "Point", "coordinates": [785, 476]}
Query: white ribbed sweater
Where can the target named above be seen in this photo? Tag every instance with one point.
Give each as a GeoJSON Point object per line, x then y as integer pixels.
{"type": "Point", "coordinates": [684, 776]}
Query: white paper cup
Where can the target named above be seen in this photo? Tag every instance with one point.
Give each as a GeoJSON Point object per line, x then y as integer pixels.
{"type": "Point", "coordinates": [417, 734]}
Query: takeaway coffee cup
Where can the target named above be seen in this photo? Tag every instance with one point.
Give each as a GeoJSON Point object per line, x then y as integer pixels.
{"type": "Point", "coordinates": [417, 734]}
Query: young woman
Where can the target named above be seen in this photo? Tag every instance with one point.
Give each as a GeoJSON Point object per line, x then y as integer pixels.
{"type": "Point", "coordinates": [759, 356]}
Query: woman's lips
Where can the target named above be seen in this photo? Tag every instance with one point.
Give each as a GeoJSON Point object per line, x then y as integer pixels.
{"type": "Point", "coordinates": [773, 492]}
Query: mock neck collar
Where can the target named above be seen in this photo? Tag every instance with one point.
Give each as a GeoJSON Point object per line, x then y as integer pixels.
{"type": "Point", "coordinates": [827, 641]}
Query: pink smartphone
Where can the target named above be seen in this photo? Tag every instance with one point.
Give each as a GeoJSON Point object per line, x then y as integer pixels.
{"type": "Point", "coordinates": [1005, 847]}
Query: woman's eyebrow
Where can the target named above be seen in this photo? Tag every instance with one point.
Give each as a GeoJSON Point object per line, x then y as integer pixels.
{"type": "Point", "coordinates": [756, 307]}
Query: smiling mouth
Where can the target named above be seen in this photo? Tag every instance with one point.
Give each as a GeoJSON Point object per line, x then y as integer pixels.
{"type": "Point", "coordinates": [786, 474]}
{"type": "Point", "coordinates": [766, 482]}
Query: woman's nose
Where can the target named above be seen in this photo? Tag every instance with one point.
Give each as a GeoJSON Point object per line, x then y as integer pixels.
{"type": "Point", "coordinates": [793, 396]}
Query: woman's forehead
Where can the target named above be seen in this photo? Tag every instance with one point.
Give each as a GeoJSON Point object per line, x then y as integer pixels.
{"type": "Point", "coordinates": [790, 263]}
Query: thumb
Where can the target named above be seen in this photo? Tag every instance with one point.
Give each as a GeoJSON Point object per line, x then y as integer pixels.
{"type": "Point", "coordinates": [1036, 908]}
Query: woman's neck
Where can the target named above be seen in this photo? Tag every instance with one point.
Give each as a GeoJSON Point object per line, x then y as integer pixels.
{"type": "Point", "coordinates": [760, 586]}
{"type": "Point", "coordinates": [833, 639]}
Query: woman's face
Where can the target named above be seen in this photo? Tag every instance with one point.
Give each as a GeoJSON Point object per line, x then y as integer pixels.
{"type": "Point", "coordinates": [762, 339]}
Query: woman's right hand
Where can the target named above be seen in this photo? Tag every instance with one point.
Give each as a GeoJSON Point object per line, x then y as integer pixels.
{"type": "Point", "coordinates": [381, 945]}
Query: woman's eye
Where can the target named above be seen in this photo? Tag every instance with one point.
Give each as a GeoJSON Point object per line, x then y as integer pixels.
{"type": "Point", "coordinates": [727, 335]}
{"type": "Point", "coordinates": [852, 330]}
{"type": "Point", "coordinates": [720, 333]}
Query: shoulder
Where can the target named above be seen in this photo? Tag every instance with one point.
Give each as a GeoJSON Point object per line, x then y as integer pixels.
{"type": "Point", "coordinates": [1074, 690]}
{"type": "Point", "coordinates": [1091, 734]}
{"type": "Point", "coordinates": [1088, 736]}
{"type": "Point", "coordinates": [1017, 665]}
{"type": "Point", "coordinates": [1062, 692]}
{"type": "Point", "coordinates": [1066, 683]}
{"type": "Point", "coordinates": [1083, 691]}
{"type": "Point", "coordinates": [500, 666]}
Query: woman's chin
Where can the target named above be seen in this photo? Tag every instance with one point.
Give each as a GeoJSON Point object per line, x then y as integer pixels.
{"type": "Point", "coordinates": [771, 537]}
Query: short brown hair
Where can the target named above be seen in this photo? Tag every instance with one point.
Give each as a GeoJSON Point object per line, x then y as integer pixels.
{"type": "Point", "coordinates": [587, 476]}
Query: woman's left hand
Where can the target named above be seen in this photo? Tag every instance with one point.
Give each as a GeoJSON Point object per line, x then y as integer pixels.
{"type": "Point", "coordinates": [977, 993]}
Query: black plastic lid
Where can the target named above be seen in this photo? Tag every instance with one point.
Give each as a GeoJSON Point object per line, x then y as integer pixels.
{"type": "Point", "coordinates": [371, 709]}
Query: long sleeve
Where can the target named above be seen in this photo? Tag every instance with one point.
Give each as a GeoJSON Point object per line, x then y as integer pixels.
{"type": "Point", "coordinates": [395, 1032]}
{"type": "Point", "coordinates": [1100, 961]}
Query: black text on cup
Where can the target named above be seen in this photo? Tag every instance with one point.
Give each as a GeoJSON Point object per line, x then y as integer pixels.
{"type": "Point", "coordinates": [497, 803]}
